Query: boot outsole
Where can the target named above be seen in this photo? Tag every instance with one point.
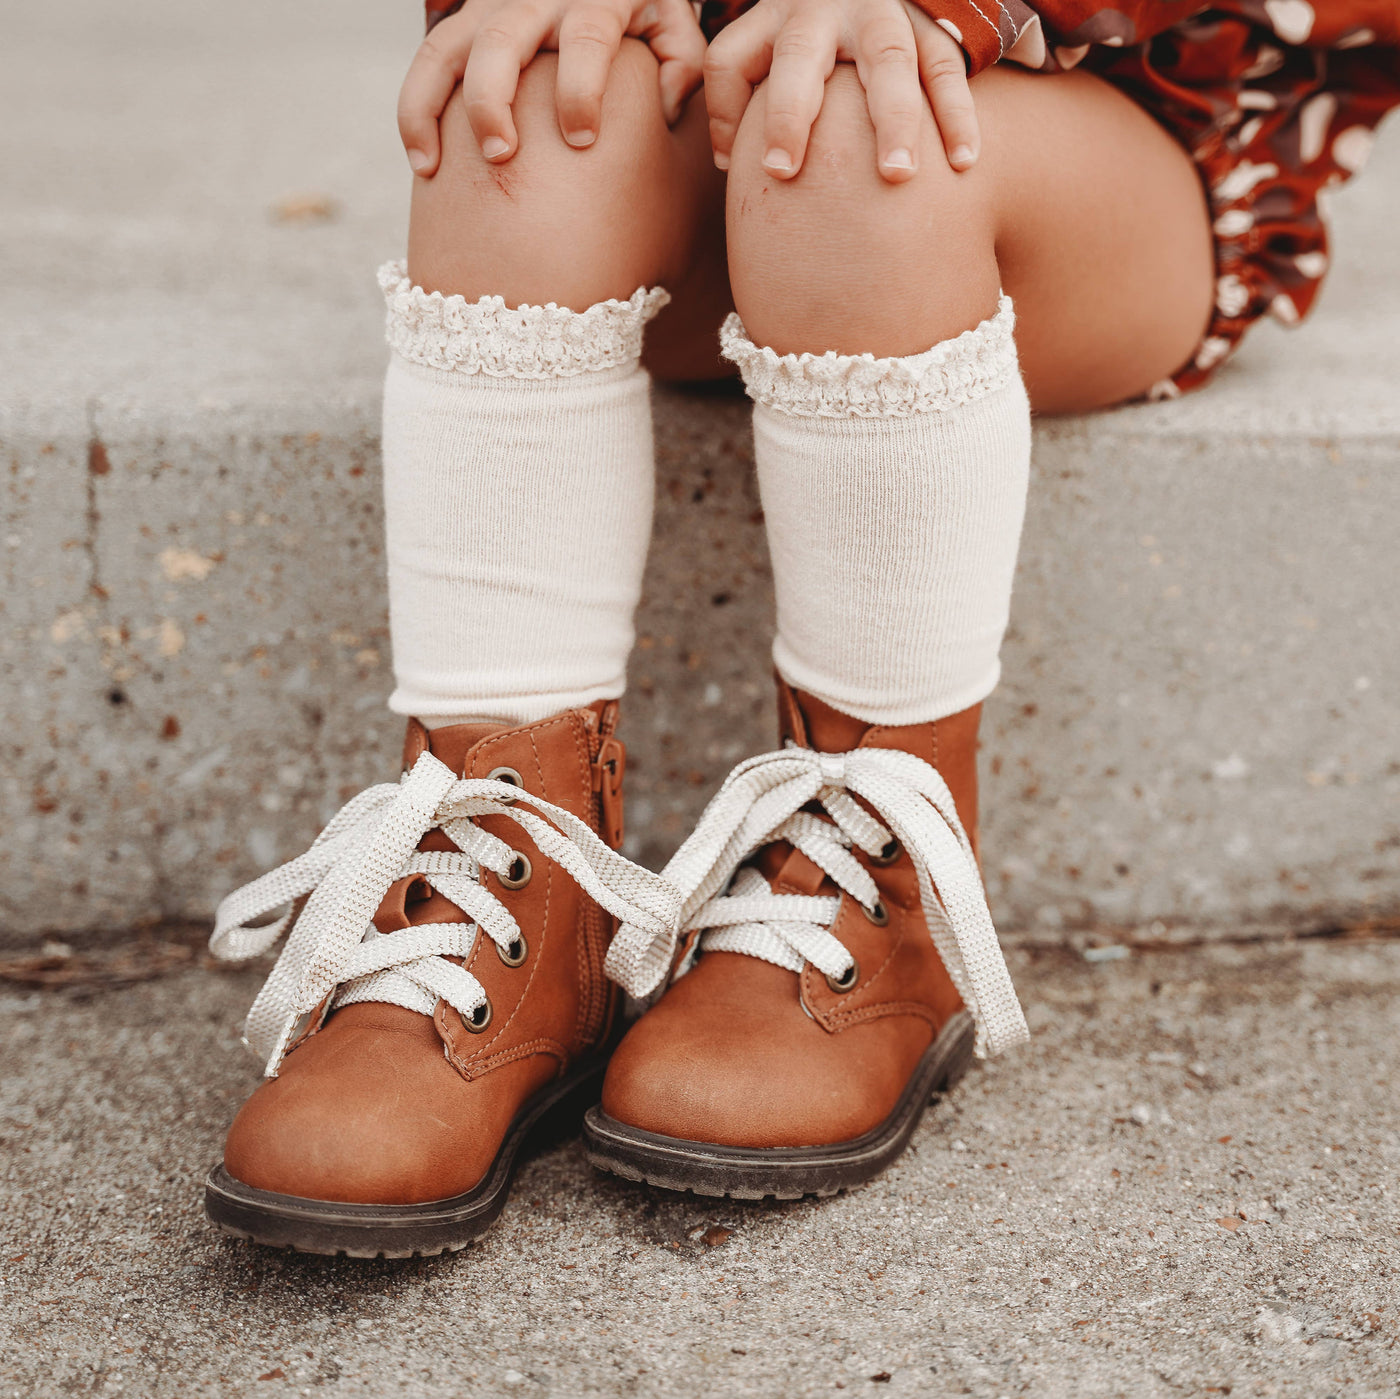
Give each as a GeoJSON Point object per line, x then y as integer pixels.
{"type": "Point", "coordinates": [780, 1173]}
{"type": "Point", "coordinates": [333, 1228]}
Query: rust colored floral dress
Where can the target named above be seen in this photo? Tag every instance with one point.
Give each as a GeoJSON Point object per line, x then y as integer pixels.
{"type": "Point", "coordinates": [1276, 101]}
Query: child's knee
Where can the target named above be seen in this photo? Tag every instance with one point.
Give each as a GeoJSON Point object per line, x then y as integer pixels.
{"type": "Point", "coordinates": [632, 136]}
{"type": "Point", "coordinates": [839, 258]}
{"type": "Point", "coordinates": [543, 225]}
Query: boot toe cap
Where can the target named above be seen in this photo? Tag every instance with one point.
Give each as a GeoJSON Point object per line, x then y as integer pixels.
{"type": "Point", "coordinates": [363, 1115]}
{"type": "Point", "coordinates": [764, 1075]}
{"type": "Point", "coordinates": [286, 1143]}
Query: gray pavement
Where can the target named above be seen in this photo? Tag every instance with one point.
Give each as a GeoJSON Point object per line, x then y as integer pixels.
{"type": "Point", "coordinates": [1199, 729]}
{"type": "Point", "coordinates": [1185, 1185]}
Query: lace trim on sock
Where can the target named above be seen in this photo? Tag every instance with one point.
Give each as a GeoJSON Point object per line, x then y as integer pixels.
{"type": "Point", "coordinates": [529, 342]}
{"type": "Point", "coordinates": [955, 372]}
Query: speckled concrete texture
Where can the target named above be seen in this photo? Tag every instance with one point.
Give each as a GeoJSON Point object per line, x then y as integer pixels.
{"type": "Point", "coordinates": [1185, 1185]}
{"type": "Point", "coordinates": [1200, 726]}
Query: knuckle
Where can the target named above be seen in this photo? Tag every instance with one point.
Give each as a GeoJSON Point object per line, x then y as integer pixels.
{"type": "Point", "coordinates": [589, 38]}
{"type": "Point", "coordinates": [483, 112]}
{"type": "Point", "coordinates": [433, 52]}
{"type": "Point", "coordinates": [892, 59]}
{"type": "Point", "coordinates": [795, 43]}
{"type": "Point", "coordinates": [886, 47]}
{"type": "Point", "coordinates": [716, 64]}
{"type": "Point", "coordinates": [495, 36]}
{"type": "Point", "coordinates": [445, 41]}
{"type": "Point", "coordinates": [946, 69]}
{"type": "Point", "coordinates": [590, 27]}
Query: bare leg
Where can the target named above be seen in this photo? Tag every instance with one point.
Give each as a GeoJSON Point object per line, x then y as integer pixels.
{"type": "Point", "coordinates": [1082, 208]}
{"type": "Point", "coordinates": [577, 227]}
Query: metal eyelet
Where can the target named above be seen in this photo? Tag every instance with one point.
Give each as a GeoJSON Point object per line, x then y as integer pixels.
{"type": "Point", "coordinates": [506, 775]}
{"type": "Point", "coordinates": [479, 1019]}
{"type": "Point", "coordinates": [879, 915]}
{"type": "Point", "coordinates": [515, 952]}
{"type": "Point", "coordinates": [847, 980]}
{"type": "Point", "coordinates": [889, 854]}
{"type": "Point", "coordinates": [519, 874]}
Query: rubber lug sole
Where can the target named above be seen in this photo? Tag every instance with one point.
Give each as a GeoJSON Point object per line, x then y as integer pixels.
{"type": "Point", "coordinates": [781, 1173]}
{"type": "Point", "coordinates": [333, 1228]}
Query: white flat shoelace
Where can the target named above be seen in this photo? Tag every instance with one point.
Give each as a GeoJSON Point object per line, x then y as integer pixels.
{"type": "Point", "coordinates": [372, 842]}
{"type": "Point", "coordinates": [762, 801]}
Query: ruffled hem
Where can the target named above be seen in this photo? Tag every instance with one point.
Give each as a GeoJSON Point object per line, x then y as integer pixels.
{"type": "Point", "coordinates": [524, 342]}
{"type": "Point", "coordinates": [976, 363]}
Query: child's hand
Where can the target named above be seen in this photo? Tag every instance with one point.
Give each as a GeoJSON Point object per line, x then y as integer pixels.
{"type": "Point", "coordinates": [904, 59]}
{"type": "Point", "coordinates": [487, 43]}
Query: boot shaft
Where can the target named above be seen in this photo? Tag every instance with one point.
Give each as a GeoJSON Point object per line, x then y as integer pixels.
{"type": "Point", "coordinates": [948, 745]}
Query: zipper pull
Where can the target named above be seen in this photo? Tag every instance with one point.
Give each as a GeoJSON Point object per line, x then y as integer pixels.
{"type": "Point", "coordinates": [608, 768]}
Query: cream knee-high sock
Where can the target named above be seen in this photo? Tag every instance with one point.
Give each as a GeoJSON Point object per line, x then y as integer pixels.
{"type": "Point", "coordinates": [894, 491]}
{"type": "Point", "coordinates": [518, 497]}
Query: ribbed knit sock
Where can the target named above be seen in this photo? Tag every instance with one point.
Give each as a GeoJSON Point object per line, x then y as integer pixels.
{"type": "Point", "coordinates": [518, 496]}
{"type": "Point", "coordinates": [894, 491]}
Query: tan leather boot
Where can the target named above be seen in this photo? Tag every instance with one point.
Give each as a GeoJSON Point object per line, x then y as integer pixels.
{"type": "Point", "coordinates": [408, 1060]}
{"type": "Point", "coordinates": [811, 1016]}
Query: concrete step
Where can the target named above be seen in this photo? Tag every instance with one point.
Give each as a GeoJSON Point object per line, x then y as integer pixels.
{"type": "Point", "coordinates": [1200, 725]}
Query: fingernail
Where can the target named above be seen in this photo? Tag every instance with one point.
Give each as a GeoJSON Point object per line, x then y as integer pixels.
{"type": "Point", "coordinates": [721, 161]}
{"type": "Point", "coordinates": [899, 160]}
{"type": "Point", "coordinates": [493, 147]}
{"type": "Point", "coordinates": [777, 160]}
{"type": "Point", "coordinates": [418, 161]}
{"type": "Point", "coordinates": [962, 155]}
{"type": "Point", "coordinates": [581, 138]}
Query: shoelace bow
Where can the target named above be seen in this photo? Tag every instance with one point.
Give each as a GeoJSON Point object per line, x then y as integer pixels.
{"type": "Point", "coordinates": [371, 842]}
{"type": "Point", "coordinates": [762, 800]}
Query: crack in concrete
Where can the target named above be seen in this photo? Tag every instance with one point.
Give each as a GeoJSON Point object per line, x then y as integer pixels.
{"type": "Point", "coordinates": [192, 933]}
{"type": "Point", "coordinates": [98, 465]}
{"type": "Point", "coordinates": [1371, 931]}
